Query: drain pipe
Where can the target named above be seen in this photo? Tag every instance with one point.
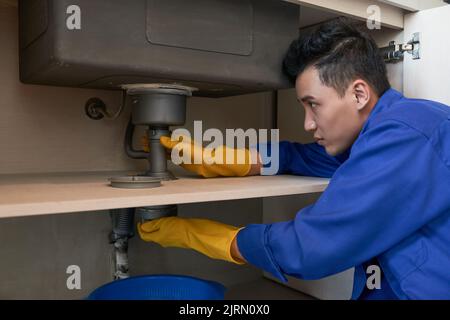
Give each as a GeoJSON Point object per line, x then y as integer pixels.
{"type": "Point", "coordinates": [122, 231]}
{"type": "Point", "coordinates": [156, 106]}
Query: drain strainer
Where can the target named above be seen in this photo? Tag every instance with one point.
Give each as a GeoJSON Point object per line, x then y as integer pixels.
{"type": "Point", "coordinates": [135, 182]}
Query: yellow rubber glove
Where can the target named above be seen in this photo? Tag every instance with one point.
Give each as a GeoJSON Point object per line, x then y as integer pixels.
{"type": "Point", "coordinates": [206, 170]}
{"type": "Point", "coordinates": [210, 238]}
{"type": "Point", "coordinates": [145, 143]}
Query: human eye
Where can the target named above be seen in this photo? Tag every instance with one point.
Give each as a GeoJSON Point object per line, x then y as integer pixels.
{"type": "Point", "coordinates": [312, 104]}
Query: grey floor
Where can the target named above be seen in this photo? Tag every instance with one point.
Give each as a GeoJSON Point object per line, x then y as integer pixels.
{"type": "Point", "coordinates": [264, 289]}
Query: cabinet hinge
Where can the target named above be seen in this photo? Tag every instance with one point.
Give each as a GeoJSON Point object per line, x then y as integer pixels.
{"type": "Point", "coordinates": [394, 52]}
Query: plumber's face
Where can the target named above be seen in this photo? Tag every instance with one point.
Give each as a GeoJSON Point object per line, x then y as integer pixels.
{"type": "Point", "coordinates": [334, 121]}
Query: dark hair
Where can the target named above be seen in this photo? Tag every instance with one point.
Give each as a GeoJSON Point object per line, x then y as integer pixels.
{"type": "Point", "coordinates": [342, 52]}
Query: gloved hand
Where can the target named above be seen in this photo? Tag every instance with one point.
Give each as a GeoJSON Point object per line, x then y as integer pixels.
{"type": "Point", "coordinates": [145, 144]}
{"type": "Point", "coordinates": [215, 169]}
{"type": "Point", "coordinates": [210, 238]}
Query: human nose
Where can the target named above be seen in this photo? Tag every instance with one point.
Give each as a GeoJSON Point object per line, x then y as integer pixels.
{"type": "Point", "coordinates": [310, 124]}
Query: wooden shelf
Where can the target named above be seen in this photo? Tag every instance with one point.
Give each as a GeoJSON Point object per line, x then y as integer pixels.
{"type": "Point", "coordinates": [391, 11]}
{"type": "Point", "coordinates": [27, 195]}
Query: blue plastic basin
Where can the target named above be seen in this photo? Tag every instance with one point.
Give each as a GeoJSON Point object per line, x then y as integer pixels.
{"type": "Point", "coordinates": [159, 287]}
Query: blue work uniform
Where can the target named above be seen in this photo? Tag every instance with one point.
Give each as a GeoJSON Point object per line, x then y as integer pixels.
{"type": "Point", "coordinates": [388, 199]}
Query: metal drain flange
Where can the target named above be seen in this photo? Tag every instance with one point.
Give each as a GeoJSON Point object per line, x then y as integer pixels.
{"type": "Point", "coordinates": [135, 182]}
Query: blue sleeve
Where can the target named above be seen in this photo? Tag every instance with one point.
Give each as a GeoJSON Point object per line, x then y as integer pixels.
{"type": "Point", "coordinates": [303, 159]}
{"type": "Point", "coordinates": [393, 183]}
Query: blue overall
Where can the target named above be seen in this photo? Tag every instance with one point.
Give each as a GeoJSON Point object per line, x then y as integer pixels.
{"type": "Point", "coordinates": [388, 201]}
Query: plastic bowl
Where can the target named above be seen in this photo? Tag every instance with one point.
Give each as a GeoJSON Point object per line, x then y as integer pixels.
{"type": "Point", "coordinates": [159, 287]}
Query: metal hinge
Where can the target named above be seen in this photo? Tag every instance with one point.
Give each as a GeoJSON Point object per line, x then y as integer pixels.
{"type": "Point", "coordinates": [395, 52]}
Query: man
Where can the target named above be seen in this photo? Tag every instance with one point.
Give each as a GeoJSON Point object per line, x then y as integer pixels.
{"type": "Point", "coordinates": [388, 201]}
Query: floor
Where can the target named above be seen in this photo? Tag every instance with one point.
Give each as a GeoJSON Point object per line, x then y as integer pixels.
{"type": "Point", "coordinates": [264, 289]}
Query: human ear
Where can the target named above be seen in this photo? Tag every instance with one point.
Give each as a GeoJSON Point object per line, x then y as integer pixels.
{"type": "Point", "coordinates": [361, 94]}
